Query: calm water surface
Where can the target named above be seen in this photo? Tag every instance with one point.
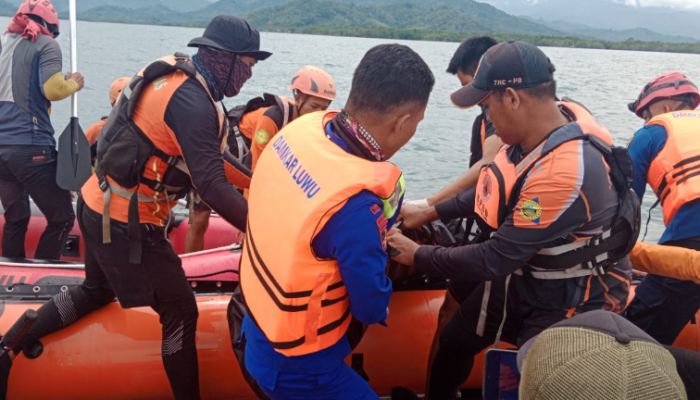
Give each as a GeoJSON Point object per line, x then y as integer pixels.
{"type": "Point", "coordinates": [605, 81]}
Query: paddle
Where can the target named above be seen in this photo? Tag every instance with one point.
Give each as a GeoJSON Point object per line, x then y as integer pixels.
{"type": "Point", "coordinates": [73, 166]}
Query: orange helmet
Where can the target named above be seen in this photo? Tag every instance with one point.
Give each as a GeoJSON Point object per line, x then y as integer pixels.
{"type": "Point", "coordinates": [115, 89]}
{"type": "Point", "coordinates": [315, 82]}
{"type": "Point", "coordinates": [42, 9]}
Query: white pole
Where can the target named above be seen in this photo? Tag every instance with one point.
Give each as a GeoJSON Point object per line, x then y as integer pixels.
{"type": "Point", "coordinates": [73, 55]}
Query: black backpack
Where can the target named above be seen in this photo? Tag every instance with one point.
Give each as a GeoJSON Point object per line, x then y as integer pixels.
{"type": "Point", "coordinates": [239, 144]}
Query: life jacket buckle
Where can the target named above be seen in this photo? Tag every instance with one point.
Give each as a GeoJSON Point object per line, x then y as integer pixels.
{"type": "Point", "coordinates": [103, 184]}
{"type": "Point", "coordinates": [592, 267]}
{"type": "Point", "coordinates": [172, 161]}
{"type": "Point", "coordinates": [159, 188]}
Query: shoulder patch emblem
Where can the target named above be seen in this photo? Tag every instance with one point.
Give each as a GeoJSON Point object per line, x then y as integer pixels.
{"type": "Point", "coordinates": [531, 210]}
{"type": "Point", "coordinates": [160, 83]}
{"type": "Point", "coordinates": [486, 187]}
{"type": "Point", "coordinates": [262, 137]}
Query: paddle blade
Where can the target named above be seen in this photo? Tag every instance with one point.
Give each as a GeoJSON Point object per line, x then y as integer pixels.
{"type": "Point", "coordinates": [73, 165]}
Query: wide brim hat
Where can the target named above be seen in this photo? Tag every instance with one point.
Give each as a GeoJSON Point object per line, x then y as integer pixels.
{"type": "Point", "coordinates": [233, 34]}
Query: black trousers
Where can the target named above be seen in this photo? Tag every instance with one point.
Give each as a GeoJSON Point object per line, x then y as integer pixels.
{"type": "Point", "coordinates": [159, 282]}
{"type": "Point", "coordinates": [460, 343]}
{"type": "Point", "coordinates": [31, 171]}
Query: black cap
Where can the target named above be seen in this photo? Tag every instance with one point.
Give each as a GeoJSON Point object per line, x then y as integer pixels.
{"type": "Point", "coordinates": [517, 65]}
{"type": "Point", "coordinates": [234, 34]}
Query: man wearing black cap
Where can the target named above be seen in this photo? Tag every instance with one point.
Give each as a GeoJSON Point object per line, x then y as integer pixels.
{"type": "Point", "coordinates": [548, 202]}
{"type": "Point", "coordinates": [172, 102]}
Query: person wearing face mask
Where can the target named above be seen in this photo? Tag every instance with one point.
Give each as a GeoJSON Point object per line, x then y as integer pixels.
{"type": "Point", "coordinates": [665, 153]}
{"type": "Point", "coordinates": [164, 135]}
{"type": "Point", "coordinates": [254, 124]}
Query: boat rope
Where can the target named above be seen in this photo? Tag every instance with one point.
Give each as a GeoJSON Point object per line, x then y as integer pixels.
{"type": "Point", "coordinates": [34, 265]}
{"type": "Point", "coordinates": [235, 246]}
{"type": "Point", "coordinates": [233, 271]}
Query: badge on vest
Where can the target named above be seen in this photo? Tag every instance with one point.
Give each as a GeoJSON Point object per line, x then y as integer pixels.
{"type": "Point", "coordinates": [262, 137]}
{"type": "Point", "coordinates": [531, 210]}
{"type": "Point", "coordinates": [486, 187]}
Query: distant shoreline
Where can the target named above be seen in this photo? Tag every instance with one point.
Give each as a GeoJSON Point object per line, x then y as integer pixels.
{"type": "Point", "coordinates": [439, 36]}
{"type": "Point", "coordinates": [442, 36]}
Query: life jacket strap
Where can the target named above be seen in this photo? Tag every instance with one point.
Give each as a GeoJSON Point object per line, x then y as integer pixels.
{"type": "Point", "coordinates": [106, 226]}
{"type": "Point", "coordinates": [505, 314]}
{"type": "Point", "coordinates": [565, 248]}
{"type": "Point", "coordinates": [134, 225]}
{"type": "Point", "coordinates": [585, 269]}
{"type": "Point", "coordinates": [483, 313]}
{"type": "Point", "coordinates": [243, 149]}
{"type": "Point", "coordinates": [481, 325]}
{"type": "Point", "coordinates": [141, 197]}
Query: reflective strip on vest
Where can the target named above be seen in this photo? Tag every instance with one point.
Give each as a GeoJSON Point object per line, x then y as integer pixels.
{"type": "Point", "coordinates": [391, 205]}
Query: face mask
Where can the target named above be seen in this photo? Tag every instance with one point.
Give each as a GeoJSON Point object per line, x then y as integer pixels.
{"type": "Point", "coordinates": [241, 73]}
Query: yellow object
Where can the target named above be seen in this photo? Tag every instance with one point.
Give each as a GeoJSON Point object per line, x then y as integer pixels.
{"type": "Point", "coordinates": [57, 88]}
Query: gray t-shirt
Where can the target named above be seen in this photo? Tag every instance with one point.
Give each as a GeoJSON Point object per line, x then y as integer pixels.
{"type": "Point", "coordinates": [25, 66]}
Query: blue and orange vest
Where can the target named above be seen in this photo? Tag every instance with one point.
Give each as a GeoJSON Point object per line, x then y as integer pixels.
{"type": "Point", "coordinates": [296, 299]}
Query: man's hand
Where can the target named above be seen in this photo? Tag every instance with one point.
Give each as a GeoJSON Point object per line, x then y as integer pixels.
{"type": "Point", "coordinates": [414, 216]}
{"type": "Point", "coordinates": [78, 78]}
{"type": "Point", "coordinates": [407, 248]}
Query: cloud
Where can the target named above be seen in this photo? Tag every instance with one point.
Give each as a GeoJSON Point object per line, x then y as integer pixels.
{"type": "Point", "coordinates": [678, 4]}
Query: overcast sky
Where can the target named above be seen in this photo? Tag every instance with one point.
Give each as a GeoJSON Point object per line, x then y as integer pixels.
{"type": "Point", "coordinates": [682, 4]}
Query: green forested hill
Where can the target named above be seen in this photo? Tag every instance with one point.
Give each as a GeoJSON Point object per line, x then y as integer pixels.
{"type": "Point", "coordinates": [334, 13]}
{"type": "Point", "coordinates": [495, 19]}
{"type": "Point", "coordinates": [450, 20]}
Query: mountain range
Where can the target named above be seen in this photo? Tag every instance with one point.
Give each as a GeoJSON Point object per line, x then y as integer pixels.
{"type": "Point", "coordinates": [589, 19]}
{"type": "Point", "coordinates": [606, 14]}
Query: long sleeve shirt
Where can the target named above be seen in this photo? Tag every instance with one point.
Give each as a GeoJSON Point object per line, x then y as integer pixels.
{"type": "Point", "coordinates": [355, 237]}
{"type": "Point", "coordinates": [643, 149]}
{"type": "Point", "coordinates": [573, 192]}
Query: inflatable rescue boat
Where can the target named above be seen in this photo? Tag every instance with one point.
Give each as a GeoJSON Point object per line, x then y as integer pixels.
{"type": "Point", "coordinates": [219, 233]}
{"type": "Point", "coordinates": [114, 354]}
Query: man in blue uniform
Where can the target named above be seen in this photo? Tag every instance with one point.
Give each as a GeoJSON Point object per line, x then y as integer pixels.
{"type": "Point", "coordinates": [663, 306]}
{"type": "Point", "coordinates": [390, 91]}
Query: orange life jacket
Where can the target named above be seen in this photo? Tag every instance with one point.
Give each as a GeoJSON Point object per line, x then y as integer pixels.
{"type": "Point", "coordinates": [497, 179]}
{"type": "Point", "coordinates": [139, 171]}
{"type": "Point", "coordinates": [298, 300]}
{"type": "Point", "coordinates": [243, 127]}
{"type": "Point", "coordinates": [674, 174]}
{"type": "Point", "coordinates": [498, 192]}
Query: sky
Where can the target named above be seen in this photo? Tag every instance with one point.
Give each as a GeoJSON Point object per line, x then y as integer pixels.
{"type": "Point", "coordinates": [680, 4]}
